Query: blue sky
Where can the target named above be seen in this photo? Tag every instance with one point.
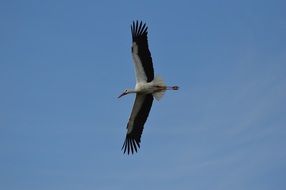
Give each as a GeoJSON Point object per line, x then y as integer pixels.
{"type": "Point", "coordinates": [63, 64]}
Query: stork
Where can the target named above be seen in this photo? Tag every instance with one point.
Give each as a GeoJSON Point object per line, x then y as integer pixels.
{"type": "Point", "coordinates": [147, 86]}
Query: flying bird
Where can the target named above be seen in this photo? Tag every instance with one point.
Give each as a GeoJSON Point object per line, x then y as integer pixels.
{"type": "Point", "coordinates": [147, 87]}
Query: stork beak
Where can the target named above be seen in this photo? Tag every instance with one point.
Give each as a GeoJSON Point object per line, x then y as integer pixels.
{"type": "Point", "coordinates": [123, 94]}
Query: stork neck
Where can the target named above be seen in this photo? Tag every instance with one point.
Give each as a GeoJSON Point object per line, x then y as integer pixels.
{"type": "Point", "coordinates": [131, 91]}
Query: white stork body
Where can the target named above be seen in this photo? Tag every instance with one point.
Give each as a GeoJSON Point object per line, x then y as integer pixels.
{"type": "Point", "coordinates": [146, 87]}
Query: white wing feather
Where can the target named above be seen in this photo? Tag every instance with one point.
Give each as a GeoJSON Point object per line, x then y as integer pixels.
{"type": "Point", "coordinates": [139, 70]}
{"type": "Point", "coordinates": [136, 107]}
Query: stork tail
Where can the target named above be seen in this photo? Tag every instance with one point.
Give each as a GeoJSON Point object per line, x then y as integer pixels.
{"type": "Point", "coordinates": [159, 82]}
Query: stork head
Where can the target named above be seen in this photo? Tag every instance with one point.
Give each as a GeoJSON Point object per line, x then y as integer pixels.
{"type": "Point", "coordinates": [125, 92]}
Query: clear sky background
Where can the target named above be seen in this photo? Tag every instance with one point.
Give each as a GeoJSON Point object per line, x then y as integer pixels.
{"type": "Point", "coordinates": [63, 64]}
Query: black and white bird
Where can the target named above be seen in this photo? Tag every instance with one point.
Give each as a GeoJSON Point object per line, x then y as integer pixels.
{"type": "Point", "coordinates": [147, 86]}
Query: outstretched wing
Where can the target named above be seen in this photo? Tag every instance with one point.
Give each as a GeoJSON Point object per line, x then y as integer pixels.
{"type": "Point", "coordinates": [139, 114]}
{"type": "Point", "coordinates": [140, 52]}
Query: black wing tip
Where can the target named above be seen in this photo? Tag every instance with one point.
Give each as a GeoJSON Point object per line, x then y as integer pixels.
{"type": "Point", "coordinates": [139, 29]}
{"type": "Point", "coordinates": [130, 145]}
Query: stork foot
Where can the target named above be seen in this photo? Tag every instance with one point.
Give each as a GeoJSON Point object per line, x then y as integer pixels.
{"type": "Point", "coordinates": [175, 87]}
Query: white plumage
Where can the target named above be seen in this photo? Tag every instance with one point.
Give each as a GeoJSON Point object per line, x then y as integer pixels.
{"type": "Point", "coordinates": [147, 86]}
